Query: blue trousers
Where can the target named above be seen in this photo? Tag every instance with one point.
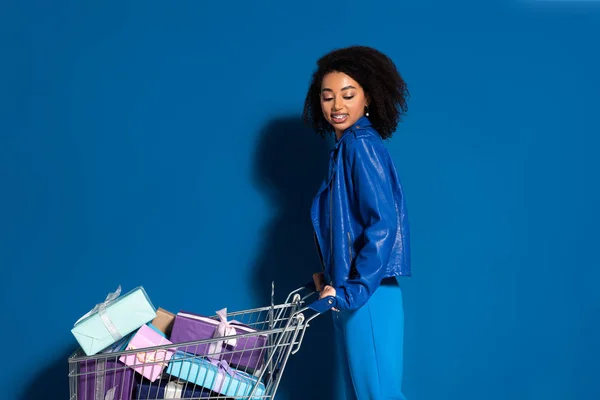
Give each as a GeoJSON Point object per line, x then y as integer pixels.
{"type": "Point", "coordinates": [369, 347]}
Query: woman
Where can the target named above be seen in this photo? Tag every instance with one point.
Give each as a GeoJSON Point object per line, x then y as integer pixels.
{"type": "Point", "coordinates": [359, 216]}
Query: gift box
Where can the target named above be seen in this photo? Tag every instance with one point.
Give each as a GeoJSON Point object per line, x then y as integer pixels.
{"type": "Point", "coordinates": [104, 379]}
{"type": "Point", "coordinates": [155, 329]}
{"type": "Point", "coordinates": [116, 317]}
{"type": "Point", "coordinates": [164, 321]}
{"type": "Point", "coordinates": [245, 352]}
{"type": "Point", "coordinates": [118, 346]}
{"type": "Point", "coordinates": [148, 363]}
{"type": "Point", "coordinates": [215, 375]}
{"type": "Point", "coordinates": [170, 390]}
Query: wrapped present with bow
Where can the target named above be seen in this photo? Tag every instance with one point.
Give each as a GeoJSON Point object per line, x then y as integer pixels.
{"type": "Point", "coordinates": [109, 321]}
{"type": "Point", "coordinates": [105, 378]}
{"type": "Point", "coordinates": [215, 375]}
{"type": "Point", "coordinates": [149, 363]}
{"type": "Point", "coordinates": [241, 352]}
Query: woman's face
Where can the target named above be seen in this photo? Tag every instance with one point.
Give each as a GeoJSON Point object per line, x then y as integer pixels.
{"type": "Point", "coordinates": [343, 101]}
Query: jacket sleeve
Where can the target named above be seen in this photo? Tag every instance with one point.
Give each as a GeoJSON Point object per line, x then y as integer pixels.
{"type": "Point", "coordinates": [374, 207]}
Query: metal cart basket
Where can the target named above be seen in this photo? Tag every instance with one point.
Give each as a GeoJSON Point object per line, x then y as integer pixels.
{"type": "Point", "coordinates": [185, 373]}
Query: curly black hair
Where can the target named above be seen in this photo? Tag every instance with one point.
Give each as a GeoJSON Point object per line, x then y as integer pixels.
{"type": "Point", "coordinates": [378, 76]}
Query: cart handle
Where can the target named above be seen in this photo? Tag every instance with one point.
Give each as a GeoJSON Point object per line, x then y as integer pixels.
{"type": "Point", "coordinates": [319, 306]}
{"type": "Point", "coordinates": [322, 305]}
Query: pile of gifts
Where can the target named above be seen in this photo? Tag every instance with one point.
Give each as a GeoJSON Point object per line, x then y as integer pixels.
{"type": "Point", "coordinates": [224, 365]}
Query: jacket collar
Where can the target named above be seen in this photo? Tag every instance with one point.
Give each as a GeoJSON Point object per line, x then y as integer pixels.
{"type": "Point", "coordinates": [361, 123]}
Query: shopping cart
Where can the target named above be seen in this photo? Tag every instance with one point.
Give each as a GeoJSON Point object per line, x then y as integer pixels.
{"type": "Point", "coordinates": [189, 375]}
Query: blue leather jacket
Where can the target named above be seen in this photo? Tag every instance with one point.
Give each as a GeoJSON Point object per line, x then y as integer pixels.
{"type": "Point", "coordinates": [359, 218]}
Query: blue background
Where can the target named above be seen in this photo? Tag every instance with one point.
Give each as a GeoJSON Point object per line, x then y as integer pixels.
{"type": "Point", "coordinates": [159, 144]}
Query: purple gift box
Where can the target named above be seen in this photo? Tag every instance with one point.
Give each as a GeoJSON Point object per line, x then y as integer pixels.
{"type": "Point", "coordinates": [98, 378]}
{"type": "Point", "coordinates": [243, 353]}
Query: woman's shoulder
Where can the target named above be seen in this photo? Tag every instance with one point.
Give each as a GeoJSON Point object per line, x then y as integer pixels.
{"type": "Point", "coordinates": [364, 139]}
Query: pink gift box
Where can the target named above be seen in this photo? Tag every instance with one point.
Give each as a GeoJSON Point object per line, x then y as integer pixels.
{"type": "Point", "coordinates": [149, 364]}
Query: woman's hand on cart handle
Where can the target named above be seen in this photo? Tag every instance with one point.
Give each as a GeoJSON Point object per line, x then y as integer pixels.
{"type": "Point", "coordinates": [319, 280]}
{"type": "Point", "coordinates": [328, 291]}
{"type": "Point", "coordinates": [326, 296]}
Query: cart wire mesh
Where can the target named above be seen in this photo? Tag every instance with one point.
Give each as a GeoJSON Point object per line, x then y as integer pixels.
{"type": "Point", "coordinates": [198, 369]}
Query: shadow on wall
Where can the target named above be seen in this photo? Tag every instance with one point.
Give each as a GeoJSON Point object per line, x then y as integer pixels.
{"type": "Point", "coordinates": [51, 382]}
{"type": "Point", "coordinates": [290, 164]}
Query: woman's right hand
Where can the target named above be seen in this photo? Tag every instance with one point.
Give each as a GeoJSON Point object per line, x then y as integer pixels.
{"type": "Point", "coordinates": [319, 280]}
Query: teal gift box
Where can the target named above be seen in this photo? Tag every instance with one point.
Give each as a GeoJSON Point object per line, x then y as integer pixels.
{"type": "Point", "coordinates": [215, 375]}
{"type": "Point", "coordinates": [113, 319]}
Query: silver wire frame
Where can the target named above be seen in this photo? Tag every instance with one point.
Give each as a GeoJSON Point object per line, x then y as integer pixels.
{"type": "Point", "coordinates": [104, 377]}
